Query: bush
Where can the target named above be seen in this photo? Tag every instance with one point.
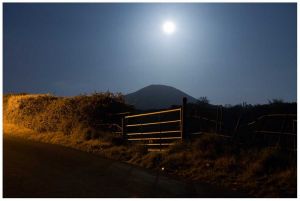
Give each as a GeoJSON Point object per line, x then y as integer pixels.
{"type": "Point", "coordinates": [46, 113]}
{"type": "Point", "coordinates": [211, 146]}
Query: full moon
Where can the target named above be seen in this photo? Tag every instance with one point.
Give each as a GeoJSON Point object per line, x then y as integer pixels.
{"type": "Point", "coordinates": [169, 27]}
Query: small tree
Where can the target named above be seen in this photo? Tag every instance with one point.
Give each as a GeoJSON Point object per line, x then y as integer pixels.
{"type": "Point", "coordinates": [203, 100]}
{"type": "Point", "coordinates": [276, 101]}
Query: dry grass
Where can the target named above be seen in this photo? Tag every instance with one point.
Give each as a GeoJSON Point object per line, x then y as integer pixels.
{"type": "Point", "coordinates": [262, 172]}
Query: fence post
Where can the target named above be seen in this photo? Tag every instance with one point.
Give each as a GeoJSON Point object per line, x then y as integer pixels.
{"type": "Point", "coordinates": [217, 118]}
{"type": "Point", "coordinates": [183, 119]}
{"type": "Point", "coordinates": [123, 128]}
{"type": "Point", "coordinates": [221, 119]}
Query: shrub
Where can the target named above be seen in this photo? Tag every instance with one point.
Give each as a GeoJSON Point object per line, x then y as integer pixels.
{"type": "Point", "coordinates": [83, 113]}
{"type": "Point", "coordinates": [211, 146]}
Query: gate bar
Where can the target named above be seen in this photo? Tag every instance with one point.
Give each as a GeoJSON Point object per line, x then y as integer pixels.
{"type": "Point", "coordinates": [150, 133]}
{"type": "Point", "coordinates": [153, 123]}
{"type": "Point", "coordinates": [152, 113]}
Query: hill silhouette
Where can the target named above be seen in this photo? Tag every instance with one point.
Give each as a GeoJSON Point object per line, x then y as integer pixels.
{"type": "Point", "coordinates": [157, 97]}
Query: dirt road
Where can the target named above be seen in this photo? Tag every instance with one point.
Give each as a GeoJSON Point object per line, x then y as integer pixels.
{"type": "Point", "coordinates": [34, 169]}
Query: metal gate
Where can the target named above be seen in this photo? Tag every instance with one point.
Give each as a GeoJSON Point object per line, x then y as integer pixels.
{"type": "Point", "coordinates": [156, 130]}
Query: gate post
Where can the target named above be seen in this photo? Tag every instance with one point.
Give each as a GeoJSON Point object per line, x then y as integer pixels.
{"type": "Point", "coordinates": [183, 119]}
{"type": "Point", "coordinates": [123, 128]}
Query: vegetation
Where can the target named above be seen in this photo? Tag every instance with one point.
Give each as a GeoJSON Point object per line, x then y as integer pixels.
{"type": "Point", "coordinates": [233, 117]}
{"type": "Point", "coordinates": [84, 115]}
{"type": "Point", "coordinates": [79, 122]}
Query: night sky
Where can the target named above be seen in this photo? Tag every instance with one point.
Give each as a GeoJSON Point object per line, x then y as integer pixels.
{"type": "Point", "coordinates": [229, 53]}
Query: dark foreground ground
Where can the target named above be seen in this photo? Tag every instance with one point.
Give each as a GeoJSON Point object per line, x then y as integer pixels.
{"type": "Point", "coordinates": [34, 169]}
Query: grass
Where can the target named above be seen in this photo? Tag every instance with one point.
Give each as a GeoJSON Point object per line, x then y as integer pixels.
{"type": "Point", "coordinates": [72, 122]}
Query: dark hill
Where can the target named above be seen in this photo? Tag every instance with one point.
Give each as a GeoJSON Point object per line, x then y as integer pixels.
{"type": "Point", "coordinates": [157, 97]}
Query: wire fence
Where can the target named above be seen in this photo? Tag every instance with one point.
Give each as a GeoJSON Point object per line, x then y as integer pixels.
{"type": "Point", "coordinates": [160, 129]}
